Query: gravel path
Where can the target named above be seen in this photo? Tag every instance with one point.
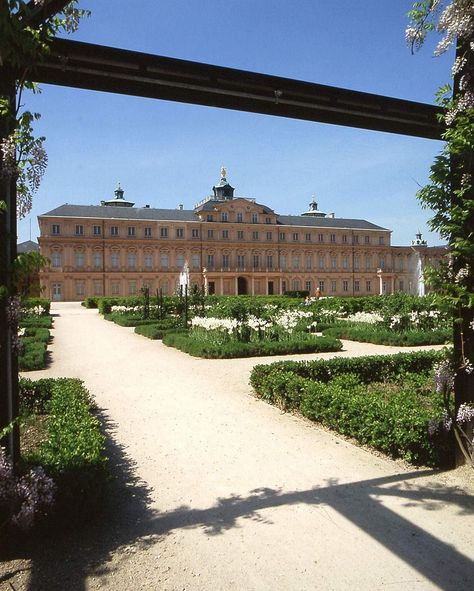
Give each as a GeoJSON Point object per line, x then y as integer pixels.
{"type": "Point", "coordinates": [216, 490]}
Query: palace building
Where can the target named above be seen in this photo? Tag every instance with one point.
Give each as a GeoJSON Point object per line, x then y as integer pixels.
{"type": "Point", "coordinates": [232, 245]}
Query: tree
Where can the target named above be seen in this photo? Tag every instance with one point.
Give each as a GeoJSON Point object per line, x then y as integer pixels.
{"type": "Point", "coordinates": [450, 194]}
{"type": "Point", "coordinates": [26, 29]}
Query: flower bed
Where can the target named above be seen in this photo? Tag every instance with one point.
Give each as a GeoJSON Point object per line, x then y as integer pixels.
{"type": "Point", "coordinates": [384, 336]}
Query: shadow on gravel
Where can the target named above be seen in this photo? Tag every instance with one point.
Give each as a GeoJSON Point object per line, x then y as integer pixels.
{"type": "Point", "coordinates": [64, 561]}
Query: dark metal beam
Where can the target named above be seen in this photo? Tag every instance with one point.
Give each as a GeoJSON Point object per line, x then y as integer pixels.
{"type": "Point", "coordinates": [107, 69]}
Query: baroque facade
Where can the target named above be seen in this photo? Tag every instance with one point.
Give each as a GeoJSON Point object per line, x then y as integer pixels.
{"type": "Point", "coordinates": [232, 245]}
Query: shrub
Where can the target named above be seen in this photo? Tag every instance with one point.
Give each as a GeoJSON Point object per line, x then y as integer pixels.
{"type": "Point", "coordinates": [231, 349]}
{"type": "Point", "coordinates": [31, 303]}
{"type": "Point", "coordinates": [384, 336]}
{"type": "Point", "coordinates": [33, 395]}
{"type": "Point", "coordinates": [91, 302]}
{"type": "Point", "coordinates": [368, 368]}
{"type": "Point", "coordinates": [34, 356]}
{"type": "Point", "coordinates": [156, 330]}
{"type": "Point", "coordinates": [391, 418]}
{"type": "Point", "coordinates": [36, 322]}
{"type": "Point", "coordinates": [74, 453]}
{"type": "Point", "coordinates": [129, 319]}
{"type": "Point", "coordinates": [38, 334]}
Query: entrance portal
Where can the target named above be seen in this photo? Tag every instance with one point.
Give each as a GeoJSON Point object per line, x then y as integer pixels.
{"type": "Point", "coordinates": [241, 286]}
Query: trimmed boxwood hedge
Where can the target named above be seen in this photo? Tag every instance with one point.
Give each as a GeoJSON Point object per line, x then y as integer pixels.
{"type": "Point", "coordinates": [36, 322]}
{"type": "Point", "coordinates": [156, 330]}
{"type": "Point", "coordinates": [181, 340]}
{"type": "Point", "coordinates": [384, 336]}
{"type": "Point", "coordinates": [382, 401]}
{"type": "Point", "coordinates": [74, 452]}
{"type": "Point", "coordinates": [34, 355]}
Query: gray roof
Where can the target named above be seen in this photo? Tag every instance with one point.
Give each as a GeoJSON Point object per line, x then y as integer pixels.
{"type": "Point", "coordinates": [189, 215]}
{"type": "Point", "coordinates": [27, 246]}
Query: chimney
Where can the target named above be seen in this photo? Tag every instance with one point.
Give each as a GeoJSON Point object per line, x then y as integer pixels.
{"type": "Point", "coordinates": [180, 206]}
{"type": "Point", "coordinates": [147, 206]}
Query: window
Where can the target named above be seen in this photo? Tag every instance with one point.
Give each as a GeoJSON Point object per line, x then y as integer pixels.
{"type": "Point", "coordinates": [180, 261]}
{"type": "Point", "coordinates": [320, 237]}
{"type": "Point", "coordinates": [115, 260]}
{"type": "Point", "coordinates": [307, 286]}
{"type": "Point", "coordinates": [345, 285]}
{"type": "Point", "coordinates": [97, 230]}
{"type": "Point", "coordinates": [115, 287]}
{"type": "Point", "coordinates": [98, 288]}
{"type": "Point", "coordinates": [283, 261]}
{"type": "Point", "coordinates": [382, 262]}
{"type": "Point", "coordinates": [164, 287]}
{"type": "Point", "coordinates": [255, 218]}
{"type": "Point", "coordinates": [308, 262]}
{"type": "Point", "coordinates": [356, 286]}
{"type": "Point", "coordinates": [400, 285]}
{"type": "Point", "coordinates": [368, 286]}
{"type": "Point", "coordinates": [147, 232]}
{"type": "Point", "coordinates": [332, 238]}
{"type": "Point", "coordinates": [56, 259]}
{"type": "Point", "coordinates": [225, 234]}
{"type": "Point", "coordinates": [256, 261]}
{"type": "Point", "coordinates": [210, 234]}
{"type": "Point", "coordinates": [114, 231]}
{"type": "Point", "coordinates": [296, 262]}
{"type": "Point", "coordinates": [296, 284]}
{"type": "Point", "coordinates": [356, 262]}
{"type": "Point", "coordinates": [195, 233]}
{"type": "Point", "coordinates": [333, 286]}
{"type": "Point", "coordinates": [132, 288]}
{"type": "Point", "coordinates": [195, 261]}
{"type": "Point", "coordinates": [79, 259]}
{"type": "Point", "coordinates": [132, 260]}
{"type": "Point", "coordinates": [282, 236]}
{"type": "Point", "coordinates": [268, 220]}
{"type": "Point", "coordinates": [269, 236]}
{"type": "Point", "coordinates": [355, 239]}
{"type": "Point", "coordinates": [381, 240]}
{"type": "Point", "coordinates": [240, 218]}
{"type": "Point", "coordinates": [210, 261]}
{"type": "Point", "coordinates": [240, 234]}
{"type": "Point", "coordinates": [333, 262]}
{"type": "Point", "coordinates": [210, 217]}
{"type": "Point", "coordinates": [224, 217]}
{"type": "Point", "coordinates": [344, 238]}
{"type": "Point", "coordinates": [79, 231]}
{"type": "Point", "coordinates": [80, 288]}
{"type": "Point", "coordinates": [308, 236]}
{"type": "Point", "coordinates": [55, 229]}
{"type": "Point", "coordinates": [254, 235]}
{"type": "Point", "coordinates": [164, 232]}
{"type": "Point", "coordinates": [179, 232]}
{"type": "Point", "coordinates": [345, 262]}
{"type": "Point", "coordinates": [131, 230]}
{"type": "Point", "coordinates": [148, 259]}
{"type": "Point", "coordinates": [164, 261]}
{"type": "Point", "coordinates": [225, 261]}
{"type": "Point", "coordinates": [368, 262]}
{"type": "Point", "coordinates": [295, 237]}
{"type": "Point", "coordinates": [321, 261]}
{"type": "Point", "coordinates": [97, 260]}
{"type": "Point", "coordinates": [269, 261]}
{"type": "Point", "coordinates": [400, 264]}
{"type": "Point", "coordinates": [366, 239]}
{"type": "Point", "coordinates": [321, 286]}
{"type": "Point", "coordinates": [240, 261]}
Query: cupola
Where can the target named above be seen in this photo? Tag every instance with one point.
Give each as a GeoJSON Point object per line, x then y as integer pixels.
{"type": "Point", "coordinates": [119, 200]}
{"type": "Point", "coordinates": [223, 191]}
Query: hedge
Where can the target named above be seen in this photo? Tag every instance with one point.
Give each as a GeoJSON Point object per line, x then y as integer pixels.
{"type": "Point", "coordinates": [157, 329]}
{"type": "Point", "coordinates": [34, 355]}
{"type": "Point", "coordinates": [384, 336]}
{"type": "Point", "coordinates": [391, 418]}
{"type": "Point", "coordinates": [181, 340]}
{"type": "Point", "coordinates": [36, 322]}
{"type": "Point", "coordinates": [74, 452]}
{"type": "Point", "coordinates": [368, 369]}
{"type": "Point", "coordinates": [34, 302]}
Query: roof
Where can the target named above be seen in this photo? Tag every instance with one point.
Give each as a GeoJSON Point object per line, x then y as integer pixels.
{"type": "Point", "coordinates": [27, 246]}
{"type": "Point", "coordinates": [189, 215]}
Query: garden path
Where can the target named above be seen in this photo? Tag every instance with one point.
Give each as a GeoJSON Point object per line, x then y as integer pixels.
{"type": "Point", "coordinates": [217, 490]}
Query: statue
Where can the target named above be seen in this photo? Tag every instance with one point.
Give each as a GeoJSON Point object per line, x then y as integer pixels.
{"type": "Point", "coordinates": [223, 172]}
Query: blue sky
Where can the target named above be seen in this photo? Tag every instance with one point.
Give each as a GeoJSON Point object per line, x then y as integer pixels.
{"type": "Point", "coordinates": [167, 153]}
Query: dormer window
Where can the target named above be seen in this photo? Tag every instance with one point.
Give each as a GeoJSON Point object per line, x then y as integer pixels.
{"type": "Point", "coordinates": [210, 217]}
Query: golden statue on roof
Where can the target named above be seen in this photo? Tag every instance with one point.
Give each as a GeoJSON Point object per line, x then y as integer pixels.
{"type": "Point", "coordinates": [223, 172]}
